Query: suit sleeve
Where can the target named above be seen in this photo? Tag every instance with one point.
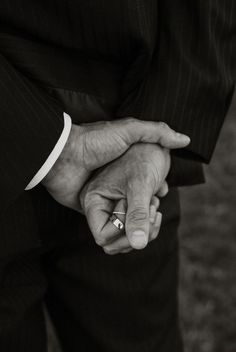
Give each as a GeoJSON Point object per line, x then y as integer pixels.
{"type": "Point", "coordinates": [191, 78]}
{"type": "Point", "coordinates": [30, 125]}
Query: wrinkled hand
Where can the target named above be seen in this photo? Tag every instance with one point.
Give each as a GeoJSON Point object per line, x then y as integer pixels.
{"type": "Point", "coordinates": [127, 184]}
{"type": "Point", "coordinates": [93, 145]}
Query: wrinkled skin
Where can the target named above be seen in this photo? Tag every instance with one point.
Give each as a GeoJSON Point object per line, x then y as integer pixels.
{"type": "Point", "coordinates": [91, 146]}
{"type": "Point", "coordinates": [127, 184]}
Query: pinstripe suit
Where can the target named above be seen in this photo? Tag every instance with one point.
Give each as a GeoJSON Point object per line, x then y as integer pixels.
{"type": "Point", "coordinates": [156, 60]}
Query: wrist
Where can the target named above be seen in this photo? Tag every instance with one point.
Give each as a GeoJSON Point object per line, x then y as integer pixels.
{"type": "Point", "coordinates": [70, 157]}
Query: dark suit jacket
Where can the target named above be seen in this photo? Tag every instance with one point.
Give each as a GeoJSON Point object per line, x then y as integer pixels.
{"type": "Point", "coordinates": [160, 60]}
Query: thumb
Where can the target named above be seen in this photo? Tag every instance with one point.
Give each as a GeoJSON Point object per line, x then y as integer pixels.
{"type": "Point", "coordinates": [169, 138]}
{"type": "Point", "coordinates": [137, 217]}
{"type": "Point", "coordinates": [154, 132]}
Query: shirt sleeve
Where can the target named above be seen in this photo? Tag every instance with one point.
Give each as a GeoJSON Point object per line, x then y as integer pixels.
{"type": "Point", "coordinates": [31, 123]}
{"type": "Point", "coordinates": [46, 167]}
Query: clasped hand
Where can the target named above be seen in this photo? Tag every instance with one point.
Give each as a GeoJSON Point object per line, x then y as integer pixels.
{"type": "Point", "coordinates": [131, 159]}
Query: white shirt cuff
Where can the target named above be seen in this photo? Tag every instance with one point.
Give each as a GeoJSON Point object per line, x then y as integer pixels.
{"type": "Point", "coordinates": [43, 171]}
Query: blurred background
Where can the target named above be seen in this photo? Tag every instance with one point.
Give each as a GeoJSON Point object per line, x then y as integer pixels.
{"type": "Point", "coordinates": [208, 251]}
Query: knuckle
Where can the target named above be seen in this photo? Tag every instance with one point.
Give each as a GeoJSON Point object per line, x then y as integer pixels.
{"type": "Point", "coordinates": [100, 241]}
{"type": "Point", "coordinates": [109, 251]}
{"type": "Point", "coordinates": [126, 250]}
{"type": "Point", "coordinates": [88, 200]}
{"type": "Point", "coordinates": [155, 201]}
{"type": "Point", "coordinates": [163, 125]}
{"type": "Point", "coordinates": [132, 123]}
{"type": "Point", "coordinates": [137, 215]}
{"type": "Point", "coordinates": [131, 119]}
{"type": "Point", "coordinates": [107, 123]}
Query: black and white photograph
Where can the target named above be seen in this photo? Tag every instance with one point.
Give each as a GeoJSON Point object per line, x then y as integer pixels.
{"type": "Point", "coordinates": [117, 176]}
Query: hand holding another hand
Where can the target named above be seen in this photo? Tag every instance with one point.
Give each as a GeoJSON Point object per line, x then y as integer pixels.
{"type": "Point", "coordinates": [128, 184]}
{"type": "Point", "coordinates": [91, 146]}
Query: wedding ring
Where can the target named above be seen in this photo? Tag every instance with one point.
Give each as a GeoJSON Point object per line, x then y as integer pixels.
{"type": "Point", "coordinates": [116, 221]}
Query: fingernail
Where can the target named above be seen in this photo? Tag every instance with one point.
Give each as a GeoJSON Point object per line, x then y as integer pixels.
{"type": "Point", "coordinates": [139, 239]}
{"type": "Point", "coordinates": [183, 137]}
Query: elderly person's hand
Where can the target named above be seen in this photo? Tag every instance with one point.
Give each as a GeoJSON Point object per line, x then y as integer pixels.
{"type": "Point", "coordinates": [128, 185]}
{"type": "Point", "coordinates": [91, 146]}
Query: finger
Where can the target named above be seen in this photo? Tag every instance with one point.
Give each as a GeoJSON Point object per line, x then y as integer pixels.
{"type": "Point", "coordinates": [153, 132]}
{"type": "Point", "coordinates": [163, 191]}
{"type": "Point", "coordinates": [154, 205]}
{"type": "Point", "coordinates": [127, 250]}
{"type": "Point", "coordinates": [110, 231]}
{"type": "Point", "coordinates": [119, 245]}
{"type": "Point", "coordinates": [156, 227]}
{"type": "Point", "coordinates": [123, 251]}
{"type": "Point", "coordinates": [122, 244]}
{"type": "Point", "coordinates": [98, 214]}
{"type": "Point", "coordinates": [137, 217]}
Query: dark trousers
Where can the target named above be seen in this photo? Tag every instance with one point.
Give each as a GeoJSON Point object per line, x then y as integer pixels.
{"type": "Point", "coordinates": [97, 302]}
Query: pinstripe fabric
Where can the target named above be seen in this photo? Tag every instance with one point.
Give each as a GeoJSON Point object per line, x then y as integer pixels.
{"type": "Point", "coordinates": [170, 62]}
{"type": "Point", "coordinates": [160, 60]}
{"type": "Point", "coordinates": [97, 302]}
{"type": "Point", "coordinates": [30, 125]}
{"type": "Point", "coordinates": [22, 286]}
{"type": "Point", "coordinates": [153, 59]}
{"type": "Point", "coordinates": [192, 74]}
